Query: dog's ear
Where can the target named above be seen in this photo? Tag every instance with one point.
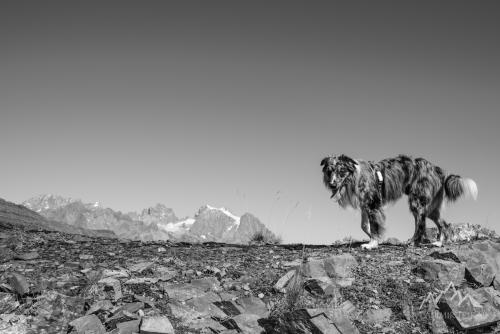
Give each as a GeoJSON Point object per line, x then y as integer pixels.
{"type": "Point", "coordinates": [324, 161]}
{"type": "Point", "coordinates": [350, 163]}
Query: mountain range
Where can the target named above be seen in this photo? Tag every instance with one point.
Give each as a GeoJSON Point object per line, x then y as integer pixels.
{"type": "Point", "coordinates": [154, 223]}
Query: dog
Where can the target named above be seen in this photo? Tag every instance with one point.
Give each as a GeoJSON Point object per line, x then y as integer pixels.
{"type": "Point", "coordinates": [369, 186]}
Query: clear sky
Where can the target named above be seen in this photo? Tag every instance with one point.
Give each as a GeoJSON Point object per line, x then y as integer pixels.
{"type": "Point", "coordinates": [235, 103]}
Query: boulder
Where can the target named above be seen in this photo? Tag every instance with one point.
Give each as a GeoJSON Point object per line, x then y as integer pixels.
{"type": "Point", "coordinates": [441, 271]}
{"type": "Point", "coordinates": [470, 309]}
{"type": "Point", "coordinates": [323, 277]}
{"type": "Point", "coordinates": [253, 305]}
{"type": "Point", "coordinates": [339, 268]}
{"type": "Point", "coordinates": [481, 259]}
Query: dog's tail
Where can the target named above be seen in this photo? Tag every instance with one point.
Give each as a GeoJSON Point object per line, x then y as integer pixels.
{"type": "Point", "coordinates": [456, 187]}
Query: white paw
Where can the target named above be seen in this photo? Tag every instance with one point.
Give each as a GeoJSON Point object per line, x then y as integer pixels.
{"type": "Point", "coordinates": [437, 244]}
{"type": "Point", "coordinates": [371, 245]}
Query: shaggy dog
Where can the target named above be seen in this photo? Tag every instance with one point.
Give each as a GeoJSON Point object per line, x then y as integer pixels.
{"type": "Point", "coordinates": [369, 186]}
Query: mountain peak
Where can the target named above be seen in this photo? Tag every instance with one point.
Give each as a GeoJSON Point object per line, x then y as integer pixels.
{"type": "Point", "coordinates": [47, 202]}
{"type": "Point", "coordinates": [157, 222]}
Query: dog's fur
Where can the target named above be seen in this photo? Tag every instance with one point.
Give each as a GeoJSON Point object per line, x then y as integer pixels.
{"type": "Point", "coordinates": [357, 183]}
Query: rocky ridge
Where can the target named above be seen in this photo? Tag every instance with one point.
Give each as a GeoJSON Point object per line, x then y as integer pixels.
{"type": "Point", "coordinates": [54, 282]}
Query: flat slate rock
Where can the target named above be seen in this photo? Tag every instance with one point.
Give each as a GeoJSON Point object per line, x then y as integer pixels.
{"type": "Point", "coordinates": [128, 327]}
{"type": "Point", "coordinates": [377, 316]}
{"type": "Point", "coordinates": [88, 324]}
{"type": "Point", "coordinates": [19, 283]}
{"type": "Point", "coordinates": [27, 256]}
{"type": "Point", "coordinates": [156, 325]}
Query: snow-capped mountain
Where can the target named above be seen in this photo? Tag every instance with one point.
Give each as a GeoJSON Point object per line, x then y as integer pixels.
{"type": "Point", "coordinates": [155, 223]}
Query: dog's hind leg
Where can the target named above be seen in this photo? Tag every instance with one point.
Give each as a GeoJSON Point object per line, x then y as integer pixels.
{"type": "Point", "coordinates": [442, 227]}
{"type": "Point", "coordinates": [435, 215]}
{"type": "Point", "coordinates": [417, 209]}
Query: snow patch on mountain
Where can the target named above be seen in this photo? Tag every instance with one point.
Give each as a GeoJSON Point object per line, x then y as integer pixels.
{"type": "Point", "coordinates": [227, 213]}
{"type": "Point", "coordinates": [180, 226]}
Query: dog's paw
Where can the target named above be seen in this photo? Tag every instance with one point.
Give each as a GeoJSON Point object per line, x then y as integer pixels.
{"type": "Point", "coordinates": [437, 244]}
{"type": "Point", "coordinates": [370, 245]}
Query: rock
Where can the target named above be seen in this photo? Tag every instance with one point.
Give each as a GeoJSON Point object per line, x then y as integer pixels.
{"type": "Point", "coordinates": [114, 284]}
{"type": "Point", "coordinates": [314, 268]}
{"type": "Point", "coordinates": [205, 325]}
{"type": "Point", "coordinates": [393, 241]}
{"type": "Point", "coordinates": [86, 257]}
{"type": "Point", "coordinates": [253, 305]}
{"type": "Point", "coordinates": [131, 307]}
{"type": "Point", "coordinates": [441, 271]}
{"type": "Point", "coordinates": [347, 307]}
{"type": "Point", "coordinates": [182, 291]}
{"type": "Point", "coordinates": [141, 266]}
{"type": "Point", "coordinates": [115, 273]}
{"type": "Point", "coordinates": [19, 283]}
{"type": "Point", "coordinates": [321, 287]}
{"type": "Point", "coordinates": [469, 232]}
{"type": "Point", "coordinates": [377, 316]}
{"type": "Point", "coordinates": [146, 300]}
{"type": "Point", "coordinates": [27, 256]}
{"type": "Point", "coordinates": [15, 324]}
{"type": "Point", "coordinates": [482, 261]}
{"type": "Point", "coordinates": [469, 309]}
{"type": "Point", "coordinates": [248, 323]}
{"type": "Point", "coordinates": [496, 283]}
{"type": "Point", "coordinates": [323, 325]}
{"type": "Point", "coordinates": [284, 280]}
{"type": "Point", "coordinates": [128, 327]}
{"type": "Point", "coordinates": [317, 321]}
{"type": "Point", "coordinates": [53, 311]}
{"type": "Point", "coordinates": [342, 322]}
{"type": "Point", "coordinates": [88, 324]}
{"type": "Point", "coordinates": [8, 303]}
{"type": "Point", "coordinates": [294, 263]}
{"type": "Point", "coordinates": [142, 280]}
{"type": "Point", "coordinates": [165, 273]}
{"type": "Point", "coordinates": [339, 268]}
{"type": "Point", "coordinates": [438, 325]}
{"type": "Point", "coordinates": [205, 305]}
{"type": "Point", "coordinates": [100, 305]}
{"type": "Point", "coordinates": [162, 249]}
{"type": "Point", "coordinates": [206, 284]}
{"type": "Point", "coordinates": [156, 325]}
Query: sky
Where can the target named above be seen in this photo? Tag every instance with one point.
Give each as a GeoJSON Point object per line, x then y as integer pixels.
{"type": "Point", "coordinates": [235, 104]}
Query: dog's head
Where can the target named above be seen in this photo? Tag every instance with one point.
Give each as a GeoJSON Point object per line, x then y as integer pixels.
{"type": "Point", "coordinates": [336, 169]}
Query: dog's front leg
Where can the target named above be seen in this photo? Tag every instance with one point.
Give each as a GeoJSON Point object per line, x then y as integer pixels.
{"type": "Point", "coordinates": [376, 219]}
{"type": "Point", "coordinates": [365, 223]}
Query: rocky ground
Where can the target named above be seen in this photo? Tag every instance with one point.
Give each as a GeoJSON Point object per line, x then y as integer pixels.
{"type": "Point", "coordinates": [53, 282]}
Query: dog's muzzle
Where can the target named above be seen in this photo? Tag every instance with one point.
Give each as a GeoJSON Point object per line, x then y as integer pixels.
{"type": "Point", "coordinates": [336, 192]}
